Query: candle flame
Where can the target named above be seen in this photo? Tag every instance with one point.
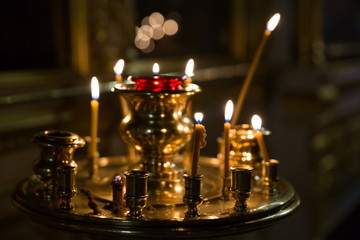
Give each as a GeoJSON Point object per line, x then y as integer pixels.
{"type": "Point", "coordinates": [156, 68]}
{"type": "Point", "coordinates": [95, 92]}
{"type": "Point", "coordinates": [198, 117]}
{"type": "Point", "coordinates": [229, 109]}
{"type": "Point", "coordinates": [117, 178]}
{"type": "Point", "coordinates": [189, 70]}
{"type": "Point", "coordinates": [273, 22]}
{"type": "Point", "coordinates": [119, 67]}
{"type": "Point", "coordinates": [256, 122]}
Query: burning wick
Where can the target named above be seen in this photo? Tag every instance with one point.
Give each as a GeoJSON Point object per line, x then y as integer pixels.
{"type": "Point", "coordinates": [271, 25]}
{"type": "Point", "coordinates": [256, 123]}
{"type": "Point", "coordinates": [199, 142]}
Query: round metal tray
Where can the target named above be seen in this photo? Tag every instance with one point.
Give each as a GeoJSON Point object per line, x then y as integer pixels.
{"type": "Point", "coordinates": [160, 220]}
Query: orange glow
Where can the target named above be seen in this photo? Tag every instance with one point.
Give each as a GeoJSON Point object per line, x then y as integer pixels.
{"type": "Point", "coordinates": [119, 67]}
{"type": "Point", "coordinates": [156, 68]}
{"type": "Point", "coordinates": [95, 89]}
{"type": "Point", "coordinates": [229, 108]}
{"type": "Point", "coordinates": [256, 122]}
{"type": "Point", "coordinates": [273, 22]}
{"type": "Point", "coordinates": [189, 70]}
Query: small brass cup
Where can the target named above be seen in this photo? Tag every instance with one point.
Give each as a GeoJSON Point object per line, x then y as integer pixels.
{"type": "Point", "coordinates": [241, 187]}
{"type": "Point", "coordinates": [192, 197]}
{"type": "Point", "coordinates": [136, 192]}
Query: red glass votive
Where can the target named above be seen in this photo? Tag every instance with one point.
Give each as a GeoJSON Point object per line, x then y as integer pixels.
{"type": "Point", "coordinates": [157, 83]}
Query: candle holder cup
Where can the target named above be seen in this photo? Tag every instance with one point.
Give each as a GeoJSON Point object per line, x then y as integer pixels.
{"type": "Point", "coordinates": [245, 150]}
{"type": "Point", "coordinates": [270, 176]}
{"type": "Point", "coordinates": [56, 149]}
{"type": "Point", "coordinates": [192, 197]}
{"type": "Point", "coordinates": [136, 192]}
{"type": "Point", "coordinates": [241, 187]}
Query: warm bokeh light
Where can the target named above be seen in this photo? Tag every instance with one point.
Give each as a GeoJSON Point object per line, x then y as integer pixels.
{"type": "Point", "coordinates": [256, 122]}
{"type": "Point", "coordinates": [159, 33]}
{"type": "Point", "coordinates": [145, 32]}
{"type": "Point", "coordinates": [153, 27]}
{"type": "Point", "coordinates": [95, 89]}
{"type": "Point", "coordinates": [156, 68]}
{"type": "Point", "coordinates": [156, 19]}
{"type": "Point", "coordinates": [189, 70]}
{"type": "Point", "coordinates": [171, 27]}
{"type": "Point", "coordinates": [198, 117]}
{"type": "Point", "coordinates": [119, 67]}
{"type": "Point", "coordinates": [229, 109]}
{"type": "Point", "coordinates": [273, 22]}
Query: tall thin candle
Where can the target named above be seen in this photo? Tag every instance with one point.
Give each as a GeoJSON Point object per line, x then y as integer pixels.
{"type": "Point", "coordinates": [95, 93]}
{"type": "Point", "coordinates": [229, 108]}
{"type": "Point", "coordinates": [271, 25]}
{"type": "Point", "coordinates": [256, 123]}
{"type": "Point", "coordinates": [199, 142]}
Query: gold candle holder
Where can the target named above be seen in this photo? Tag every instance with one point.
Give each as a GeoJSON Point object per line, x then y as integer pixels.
{"type": "Point", "coordinates": [241, 187]}
{"type": "Point", "coordinates": [136, 192]}
{"type": "Point", "coordinates": [192, 197]}
{"type": "Point", "coordinates": [57, 149]}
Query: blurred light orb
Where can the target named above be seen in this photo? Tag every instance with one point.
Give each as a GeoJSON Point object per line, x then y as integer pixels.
{"type": "Point", "coordinates": [156, 19]}
{"type": "Point", "coordinates": [171, 27]}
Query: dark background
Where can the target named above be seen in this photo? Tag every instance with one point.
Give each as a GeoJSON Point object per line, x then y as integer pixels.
{"type": "Point", "coordinates": [306, 89]}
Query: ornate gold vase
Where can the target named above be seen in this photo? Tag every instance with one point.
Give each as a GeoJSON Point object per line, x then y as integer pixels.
{"type": "Point", "coordinates": [157, 127]}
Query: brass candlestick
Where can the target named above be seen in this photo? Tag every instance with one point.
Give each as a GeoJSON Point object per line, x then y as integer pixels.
{"type": "Point", "coordinates": [241, 187]}
{"type": "Point", "coordinates": [136, 192]}
{"type": "Point", "coordinates": [65, 187]}
{"type": "Point", "coordinates": [56, 149]}
{"type": "Point", "coordinates": [270, 175]}
{"type": "Point", "coordinates": [192, 197]}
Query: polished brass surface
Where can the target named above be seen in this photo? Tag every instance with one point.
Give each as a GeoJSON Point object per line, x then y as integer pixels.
{"type": "Point", "coordinates": [192, 197]}
{"type": "Point", "coordinates": [218, 218]}
{"type": "Point", "coordinates": [270, 175]}
{"type": "Point", "coordinates": [56, 150]}
{"type": "Point", "coordinates": [241, 187]}
{"type": "Point", "coordinates": [157, 127]}
{"type": "Point", "coordinates": [65, 185]}
{"type": "Point", "coordinates": [136, 192]}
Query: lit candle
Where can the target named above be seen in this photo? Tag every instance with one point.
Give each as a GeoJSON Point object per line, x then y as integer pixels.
{"type": "Point", "coordinates": [271, 25]}
{"type": "Point", "coordinates": [199, 142]}
{"type": "Point", "coordinates": [94, 116]}
{"type": "Point", "coordinates": [189, 71]}
{"type": "Point", "coordinates": [156, 69]}
{"type": "Point", "coordinates": [229, 108]}
{"type": "Point", "coordinates": [256, 123]}
{"type": "Point", "coordinates": [118, 69]}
